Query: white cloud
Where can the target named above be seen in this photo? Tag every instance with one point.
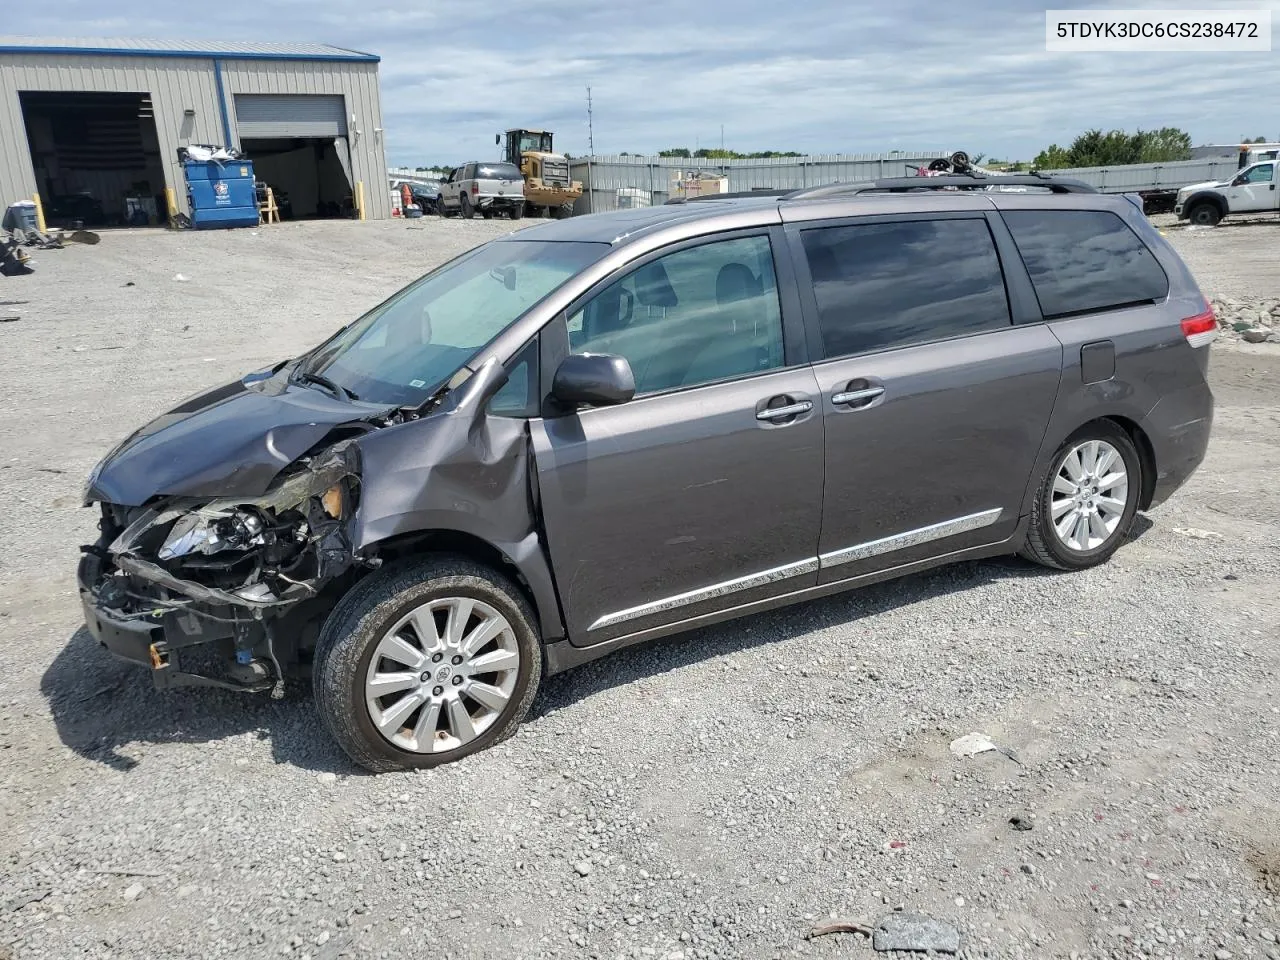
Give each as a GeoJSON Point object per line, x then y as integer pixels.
{"type": "Point", "coordinates": [822, 76]}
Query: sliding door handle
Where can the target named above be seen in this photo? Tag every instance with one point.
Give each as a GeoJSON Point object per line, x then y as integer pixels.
{"type": "Point", "coordinates": [856, 396]}
{"type": "Point", "coordinates": [781, 413]}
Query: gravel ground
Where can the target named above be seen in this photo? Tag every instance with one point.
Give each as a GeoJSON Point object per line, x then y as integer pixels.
{"type": "Point", "coordinates": [713, 796]}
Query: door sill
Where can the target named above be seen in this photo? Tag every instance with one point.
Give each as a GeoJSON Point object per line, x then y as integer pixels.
{"type": "Point", "coordinates": [565, 654]}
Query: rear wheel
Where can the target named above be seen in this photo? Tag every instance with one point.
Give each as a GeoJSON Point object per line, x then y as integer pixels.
{"type": "Point", "coordinates": [1204, 215]}
{"type": "Point", "coordinates": [517, 211]}
{"type": "Point", "coordinates": [1087, 499]}
{"type": "Point", "coordinates": [424, 663]}
{"type": "Point", "coordinates": [464, 206]}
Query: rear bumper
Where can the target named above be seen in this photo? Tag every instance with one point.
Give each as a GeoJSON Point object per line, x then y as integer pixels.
{"type": "Point", "coordinates": [483, 201]}
{"type": "Point", "coordinates": [1178, 427]}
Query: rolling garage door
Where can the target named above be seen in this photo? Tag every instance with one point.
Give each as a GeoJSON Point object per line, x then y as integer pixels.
{"type": "Point", "coordinates": [261, 116]}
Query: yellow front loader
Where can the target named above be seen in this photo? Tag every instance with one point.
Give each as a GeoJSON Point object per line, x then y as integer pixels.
{"type": "Point", "coordinates": [548, 191]}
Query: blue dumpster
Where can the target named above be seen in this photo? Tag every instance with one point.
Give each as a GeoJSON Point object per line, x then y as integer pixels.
{"type": "Point", "coordinates": [20, 216]}
{"type": "Point", "coordinates": [221, 194]}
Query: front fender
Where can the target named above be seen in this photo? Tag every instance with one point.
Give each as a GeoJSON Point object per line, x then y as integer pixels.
{"type": "Point", "coordinates": [1207, 196]}
{"type": "Point", "coordinates": [459, 472]}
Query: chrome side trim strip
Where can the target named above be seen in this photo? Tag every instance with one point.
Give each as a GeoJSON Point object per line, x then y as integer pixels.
{"type": "Point", "coordinates": [911, 538]}
{"type": "Point", "coordinates": [797, 569]}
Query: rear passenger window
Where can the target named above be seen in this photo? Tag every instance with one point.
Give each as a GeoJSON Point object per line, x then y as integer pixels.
{"type": "Point", "coordinates": [882, 285]}
{"type": "Point", "coordinates": [1085, 260]}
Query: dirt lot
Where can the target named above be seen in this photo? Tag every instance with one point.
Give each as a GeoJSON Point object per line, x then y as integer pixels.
{"type": "Point", "coordinates": [715, 796]}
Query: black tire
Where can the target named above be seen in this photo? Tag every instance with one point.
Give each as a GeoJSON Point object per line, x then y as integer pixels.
{"type": "Point", "coordinates": [1204, 215]}
{"type": "Point", "coordinates": [440, 207]}
{"type": "Point", "coordinates": [465, 207]}
{"type": "Point", "coordinates": [517, 212]}
{"type": "Point", "coordinates": [353, 630]}
{"type": "Point", "coordinates": [1043, 544]}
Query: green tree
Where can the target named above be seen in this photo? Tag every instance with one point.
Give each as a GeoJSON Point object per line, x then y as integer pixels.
{"type": "Point", "coordinates": [1052, 157]}
{"type": "Point", "coordinates": [675, 152]}
{"type": "Point", "coordinates": [1093, 148]}
{"type": "Point", "coordinates": [1163, 145]}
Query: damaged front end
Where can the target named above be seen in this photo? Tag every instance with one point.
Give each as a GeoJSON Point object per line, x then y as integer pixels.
{"type": "Point", "coordinates": [226, 592]}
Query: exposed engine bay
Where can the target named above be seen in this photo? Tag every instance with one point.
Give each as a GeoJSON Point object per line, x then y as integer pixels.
{"type": "Point", "coordinates": [210, 587]}
{"type": "Point", "coordinates": [229, 567]}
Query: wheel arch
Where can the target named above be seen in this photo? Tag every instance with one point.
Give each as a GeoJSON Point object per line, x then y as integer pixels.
{"type": "Point", "coordinates": [1054, 440]}
{"type": "Point", "coordinates": [1146, 454]}
{"type": "Point", "coordinates": [1206, 196]}
{"type": "Point", "coordinates": [523, 564]}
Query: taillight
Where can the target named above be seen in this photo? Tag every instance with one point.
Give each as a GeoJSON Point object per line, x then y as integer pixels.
{"type": "Point", "coordinates": [1202, 329]}
{"type": "Point", "coordinates": [475, 188]}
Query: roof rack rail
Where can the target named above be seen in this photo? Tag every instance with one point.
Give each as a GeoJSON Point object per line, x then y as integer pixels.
{"type": "Point", "coordinates": [960, 182]}
{"type": "Point", "coordinates": [735, 195]}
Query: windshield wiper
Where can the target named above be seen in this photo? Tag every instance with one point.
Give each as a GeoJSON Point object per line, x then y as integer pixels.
{"type": "Point", "coordinates": [320, 380]}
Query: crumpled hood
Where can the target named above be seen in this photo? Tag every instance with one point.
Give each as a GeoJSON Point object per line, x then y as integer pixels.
{"type": "Point", "coordinates": [231, 441]}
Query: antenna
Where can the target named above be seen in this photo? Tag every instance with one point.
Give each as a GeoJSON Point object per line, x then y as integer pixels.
{"type": "Point", "coordinates": [591, 139]}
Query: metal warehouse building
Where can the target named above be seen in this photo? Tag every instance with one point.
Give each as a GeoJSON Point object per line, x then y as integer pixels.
{"type": "Point", "coordinates": [94, 126]}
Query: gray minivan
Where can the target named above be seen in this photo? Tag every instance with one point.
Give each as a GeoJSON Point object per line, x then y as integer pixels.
{"type": "Point", "coordinates": [484, 188]}
{"type": "Point", "coordinates": [610, 429]}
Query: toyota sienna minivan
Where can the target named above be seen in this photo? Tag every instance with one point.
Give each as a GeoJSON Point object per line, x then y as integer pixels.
{"type": "Point", "coordinates": [614, 428]}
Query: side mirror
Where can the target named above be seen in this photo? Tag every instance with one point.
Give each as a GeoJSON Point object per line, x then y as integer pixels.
{"type": "Point", "coordinates": [593, 379]}
{"type": "Point", "coordinates": [1239, 181]}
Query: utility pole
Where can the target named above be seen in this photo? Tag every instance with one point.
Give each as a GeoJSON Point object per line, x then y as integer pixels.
{"type": "Point", "coordinates": [722, 138]}
{"type": "Point", "coordinates": [591, 138]}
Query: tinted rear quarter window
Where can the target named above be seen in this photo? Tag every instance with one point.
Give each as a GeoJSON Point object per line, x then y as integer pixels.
{"type": "Point", "coordinates": [1082, 261]}
{"type": "Point", "coordinates": [882, 285]}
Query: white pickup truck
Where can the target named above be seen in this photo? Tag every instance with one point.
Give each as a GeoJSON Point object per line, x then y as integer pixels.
{"type": "Point", "coordinates": [1251, 190]}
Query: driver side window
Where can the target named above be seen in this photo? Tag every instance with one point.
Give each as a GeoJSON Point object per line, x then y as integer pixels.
{"type": "Point", "coordinates": [1262, 173]}
{"type": "Point", "coordinates": [698, 315]}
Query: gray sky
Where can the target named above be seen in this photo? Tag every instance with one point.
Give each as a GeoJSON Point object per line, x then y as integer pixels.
{"type": "Point", "coordinates": [819, 76]}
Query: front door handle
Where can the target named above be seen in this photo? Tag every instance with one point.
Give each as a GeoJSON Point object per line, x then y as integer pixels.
{"type": "Point", "coordinates": [780, 413]}
{"type": "Point", "coordinates": [856, 396]}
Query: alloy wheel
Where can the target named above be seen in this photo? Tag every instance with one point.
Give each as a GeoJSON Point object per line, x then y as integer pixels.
{"type": "Point", "coordinates": [1090, 492]}
{"type": "Point", "coordinates": [442, 675]}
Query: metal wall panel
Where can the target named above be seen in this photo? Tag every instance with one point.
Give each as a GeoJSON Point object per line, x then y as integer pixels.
{"type": "Point", "coordinates": [177, 85]}
{"type": "Point", "coordinates": [610, 182]}
{"type": "Point", "coordinates": [356, 83]}
{"type": "Point", "coordinates": [602, 177]}
{"type": "Point", "coordinates": [1152, 176]}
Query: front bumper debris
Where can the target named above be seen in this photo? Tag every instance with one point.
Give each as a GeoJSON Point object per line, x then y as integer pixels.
{"type": "Point", "coordinates": [155, 593]}
{"type": "Point", "coordinates": [156, 639]}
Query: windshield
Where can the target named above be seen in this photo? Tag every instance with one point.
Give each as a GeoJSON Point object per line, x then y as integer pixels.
{"type": "Point", "coordinates": [403, 351]}
{"type": "Point", "coordinates": [535, 141]}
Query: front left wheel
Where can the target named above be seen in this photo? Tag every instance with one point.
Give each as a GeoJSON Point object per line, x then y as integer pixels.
{"type": "Point", "coordinates": [424, 663]}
